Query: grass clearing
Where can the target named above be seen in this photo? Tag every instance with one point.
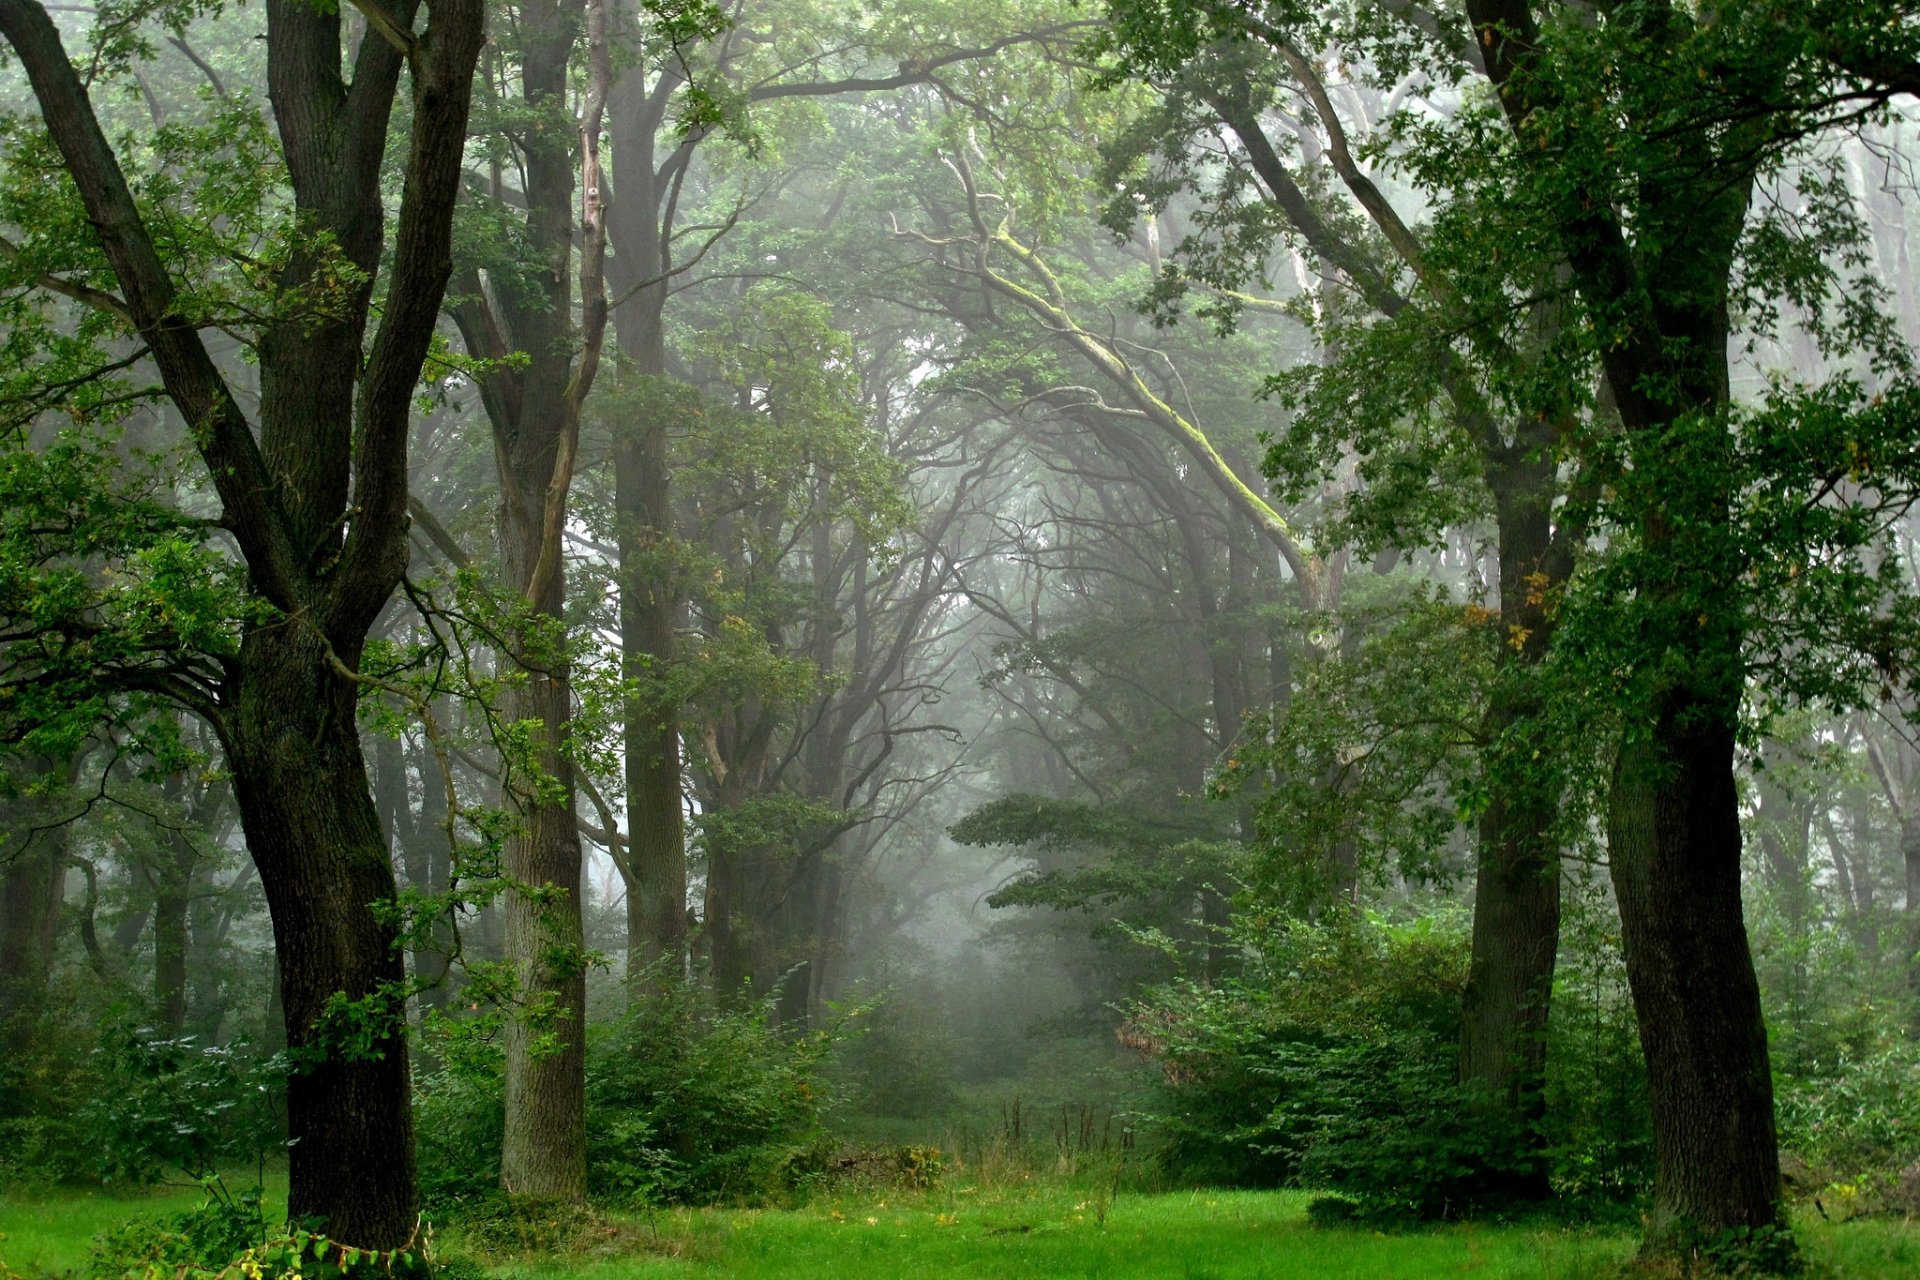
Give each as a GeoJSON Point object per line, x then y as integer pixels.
{"type": "Point", "coordinates": [49, 1233]}
{"type": "Point", "coordinates": [1038, 1232]}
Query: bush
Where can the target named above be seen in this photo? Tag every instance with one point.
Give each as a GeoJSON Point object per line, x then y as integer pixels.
{"type": "Point", "coordinates": [177, 1104]}
{"type": "Point", "coordinates": [686, 1102]}
{"type": "Point", "coordinates": [902, 1066]}
{"type": "Point", "coordinates": [690, 1102]}
{"type": "Point", "coordinates": [116, 1103]}
{"type": "Point", "coordinates": [226, 1237]}
{"type": "Point", "coordinates": [1329, 1064]}
{"type": "Point", "coordinates": [1854, 1115]}
{"type": "Point", "coordinates": [204, 1238]}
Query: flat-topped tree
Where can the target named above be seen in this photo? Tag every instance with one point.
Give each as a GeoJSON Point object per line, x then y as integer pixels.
{"type": "Point", "coordinates": [312, 493]}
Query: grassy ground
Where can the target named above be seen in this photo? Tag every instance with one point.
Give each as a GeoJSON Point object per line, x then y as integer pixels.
{"type": "Point", "coordinates": [1050, 1232]}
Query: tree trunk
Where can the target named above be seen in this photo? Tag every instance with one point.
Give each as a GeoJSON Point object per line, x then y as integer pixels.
{"type": "Point", "coordinates": [1516, 901]}
{"type": "Point", "coordinates": [300, 782]}
{"type": "Point", "coordinates": [1910, 858]}
{"type": "Point", "coordinates": [638, 220]}
{"type": "Point", "coordinates": [32, 887]}
{"type": "Point", "coordinates": [657, 899]}
{"type": "Point", "coordinates": [1673, 828]}
{"type": "Point", "coordinates": [170, 905]}
{"type": "Point", "coordinates": [545, 1151]}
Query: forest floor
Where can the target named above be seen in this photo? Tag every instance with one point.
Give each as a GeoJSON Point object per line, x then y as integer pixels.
{"type": "Point", "coordinates": [1036, 1231]}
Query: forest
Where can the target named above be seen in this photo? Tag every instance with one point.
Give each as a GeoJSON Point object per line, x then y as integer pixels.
{"type": "Point", "coordinates": [992, 638]}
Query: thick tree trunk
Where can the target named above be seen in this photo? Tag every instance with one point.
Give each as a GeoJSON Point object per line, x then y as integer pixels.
{"type": "Point", "coordinates": [300, 782]}
{"type": "Point", "coordinates": [1509, 993]}
{"type": "Point", "coordinates": [544, 1153]}
{"type": "Point", "coordinates": [1673, 829]}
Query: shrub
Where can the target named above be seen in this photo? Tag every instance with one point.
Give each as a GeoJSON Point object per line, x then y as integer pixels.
{"type": "Point", "coordinates": [177, 1104]}
{"type": "Point", "coordinates": [686, 1102]}
{"type": "Point", "coordinates": [204, 1238]}
{"type": "Point", "coordinates": [117, 1103]}
{"type": "Point", "coordinates": [1855, 1114]}
{"type": "Point", "coordinates": [1330, 1064]}
{"type": "Point", "coordinates": [226, 1237]}
{"type": "Point", "coordinates": [691, 1102]}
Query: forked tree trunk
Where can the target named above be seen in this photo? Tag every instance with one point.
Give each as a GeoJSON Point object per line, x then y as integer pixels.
{"type": "Point", "coordinates": [301, 785]}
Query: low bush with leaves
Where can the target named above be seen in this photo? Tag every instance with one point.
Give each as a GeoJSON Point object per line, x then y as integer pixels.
{"type": "Point", "coordinates": [133, 1106]}
{"type": "Point", "coordinates": [227, 1237]}
{"type": "Point", "coordinates": [1328, 1064]}
{"type": "Point", "coordinates": [687, 1102]}
{"type": "Point", "coordinates": [205, 1238]}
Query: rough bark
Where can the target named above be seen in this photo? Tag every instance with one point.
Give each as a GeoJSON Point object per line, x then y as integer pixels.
{"type": "Point", "coordinates": [534, 409]}
{"type": "Point", "coordinates": [1661, 281]}
{"type": "Point", "coordinates": [300, 781]}
{"type": "Point", "coordinates": [1674, 838]}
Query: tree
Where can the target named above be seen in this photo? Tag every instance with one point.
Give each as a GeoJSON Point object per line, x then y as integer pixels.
{"type": "Point", "coordinates": [1650, 204]}
{"type": "Point", "coordinates": [312, 492]}
{"type": "Point", "coordinates": [1449, 411]}
{"type": "Point", "coordinates": [534, 375]}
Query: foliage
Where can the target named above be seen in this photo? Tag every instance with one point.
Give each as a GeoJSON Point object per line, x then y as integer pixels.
{"type": "Point", "coordinates": [687, 1101]}
{"type": "Point", "coordinates": [1329, 1063]}
{"type": "Point", "coordinates": [134, 1108]}
{"type": "Point", "coordinates": [179, 1104]}
{"type": "Point", "coordinates": [902, 1064]}
{"type": "Point", "coordinates": [205, 1238]}
{"type": "Point", "coordinates": [227, 1237]}
{"type": "Point", "coordinates": [1371, 764]}
{"type": "Point", "coordinates": [690, 1101]}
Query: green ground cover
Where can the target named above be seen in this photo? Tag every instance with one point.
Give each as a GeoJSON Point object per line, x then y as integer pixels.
{"type": "Point", "coordinates": [1012, 1233]}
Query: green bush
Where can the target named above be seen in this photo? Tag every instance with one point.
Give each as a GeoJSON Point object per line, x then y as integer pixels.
{"type": "Point", "coordinates": [902, 1065]}
{"type": "Point", "coordinates": [459, 1120]}
{"type": "Point", "coordinates": [1328, 1064]}
{"type": "Point", "coordinates": [686, 1102]}
{"type": "Point", "coordinates": [226, 1237]}
{"type": "Point", "coordinates": [204, 1238]}
{"type": "Point", "coordinates": [177, 1104]}
{"type": "Point", "coordinates": [116, 1103]}
{"type": "Point", "coordinates": [1854, 1114]}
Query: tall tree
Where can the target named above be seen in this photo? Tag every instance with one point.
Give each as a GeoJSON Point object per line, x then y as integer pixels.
{"type": "Point", "coordinates": [312, 491]}
{"type": "Point", "coordinates": [536, 372]}
{"type": "Point", "coordinates": [1648, 203]}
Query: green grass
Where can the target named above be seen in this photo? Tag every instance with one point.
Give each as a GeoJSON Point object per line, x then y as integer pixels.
{"type": "Point", "coordinates": [49, 1234]}
{"type": "Point", "coordinates": [1045, 1232]}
